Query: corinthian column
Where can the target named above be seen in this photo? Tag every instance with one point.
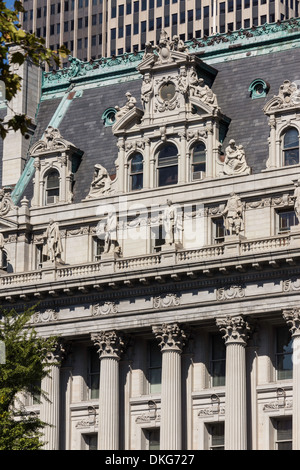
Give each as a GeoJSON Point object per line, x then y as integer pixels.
{"type": "Point", "coordinates": [110, 346]}
{"type": "Point", "coordinates": [50, 404]}
{"type": "Point", "coordinates": [235, 335]}
{"type": "Point", "coordinates": [292, 317]}
{"type": "Point", "coordinates": [171, 341]}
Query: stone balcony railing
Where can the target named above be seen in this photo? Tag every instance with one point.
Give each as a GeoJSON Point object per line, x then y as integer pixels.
{"type": "Point", "coordinates": [232, 249]}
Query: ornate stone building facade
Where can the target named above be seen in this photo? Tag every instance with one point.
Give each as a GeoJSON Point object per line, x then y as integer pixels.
{"type": "Point", "coordinates": [155, 224]}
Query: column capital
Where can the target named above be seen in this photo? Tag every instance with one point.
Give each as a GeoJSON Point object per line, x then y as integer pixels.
{"type": "Point", "coordinates": [235, 328]}
{"type": "Point", "coordinates": [170, 336]}
{"type": "Point", "coordinates": [292, 318]}
{"type": "Point", "coordinates": [109, 343]}
{"type": "Point", "coordinates": [58, 353]}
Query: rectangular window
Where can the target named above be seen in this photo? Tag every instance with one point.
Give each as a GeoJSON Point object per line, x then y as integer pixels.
{"type": "Point", "coordinates": [158, 3]}
{"type": "Point", "coordinates": [246, 3]}
{"type": "Point", "coordinates": [167, 21]}
{"type": "Point", "coordinates": [79, 43]}
{"type": "Point", "coordinates": [190, 15]}
{"type": "Point", "coordinates": [198, 13]}
{"type": "Point", "coordinates": [72, 25]}
{"type": "Point", "coordinates": [79, 23]}
{"type": "Point", "coordinates": [218, 360]}
{"type": "Point", "coordinates": [151, 25]}
{"type": "Point", "coordinates": [218, 230]}
{"type": "Point", "coordinates": [52, 29]}
{"type": "Point", "coordinates": [206, 12]}
{"type": "Point", "coordinates": [151, 4]}
{"type": "Point", "coordinates": [284, 350]}
{"type": "Point", "coordinates": [90, 441]}
{"type": "Point", "coordinates": [182, 17]}
{"type": "Point", "coordinates": [120, 32]}
{"type": "Point", "coordinates": [52, 10]}
{"type": "Point", "coordinates": [121, 10]}
{"type": "Point", "coordinates": [286, 219]}
{"type": "Point", "coordinates": [238, 4]}
{"type": "Point", "coordinates": [174, 19]}
{"type": "Point", "coordinates": [94, 20]}
{"type": "Point", "coordinates": [128, 8]}
{"type": "Point", "coordinates": [215, 436]}
{"type": "Point", "coordinates": [38, 12]}
{"type": "Point", "coordinates": [247, 23]}
{"type": "Point", "coordinates": [94, 40]}
{"type": "Point", "coordinates": [263, 19]}
{"type": "Point", "coordinates": [113, 12]}
{"type": "Point", "coordinates": [159, 23]}
{"type": "Point", "coordinates": [143, 26]}
{"type": "Point", "coordinates": [144, 5]}
{"type": "Point", "coordinates": [154, 367]}
{"type": "Point", "coordinates": [135, 28]}
{"type": "Point", "coordinates": [152, 439]}
{"type": "Point", "coordinates": [136, 7]}
{"type": "Point", "coordinates": [66, 26]}
{"type": "Point", "coordinates": [128, 30]}
{"type": "Point", "coordinates": [283, 433]}
{"type": "Point", "coordinates": [222, 8]}
{"type": "Point", "coordinates": [80, 3]}
{"type": "Point", "coordinates": [67, 6]}
{"type": "Point", "coordinates": [94, 373]}
{"type": "Point", "coordinates": [230, 6]}
{"type": "Point", "coordinates": [113, 33]}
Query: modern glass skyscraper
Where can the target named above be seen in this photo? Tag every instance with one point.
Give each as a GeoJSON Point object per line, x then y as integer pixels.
{"type": "Point", "coordinates": [98, 28]}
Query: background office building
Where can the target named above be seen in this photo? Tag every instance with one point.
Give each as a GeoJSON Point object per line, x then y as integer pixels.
{"type": "Point", "coordinates": [91, 29]}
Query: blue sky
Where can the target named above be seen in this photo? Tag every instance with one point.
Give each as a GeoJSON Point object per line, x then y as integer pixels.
{"type": "Point", "coordinates": [10, 3]}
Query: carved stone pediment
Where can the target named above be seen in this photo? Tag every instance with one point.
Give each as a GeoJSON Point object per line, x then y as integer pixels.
{"type": "Point", "coordinates": [288, 97]}
{"type": "Point", "coordinates": [52, 141]}
{"type": "Point", "coordinates": [129, 119]}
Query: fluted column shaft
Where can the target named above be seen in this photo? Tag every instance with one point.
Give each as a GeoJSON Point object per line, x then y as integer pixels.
{"type": "Point", "coordinates": [110, 348]}
{"type": "Point", "coordinates": [292, 318]}
{"type": "Point", "coordinates": [50, 406]}
{"type": "Point", "coordinates": [235, 329]}
{"type": "Point", "coordinates": [171, 339]}
{"type": "Point", "coordinates": [50, 409]}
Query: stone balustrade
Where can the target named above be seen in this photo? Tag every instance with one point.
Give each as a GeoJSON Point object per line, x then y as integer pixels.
{"type": "Point", "coordinates": [148, 262]}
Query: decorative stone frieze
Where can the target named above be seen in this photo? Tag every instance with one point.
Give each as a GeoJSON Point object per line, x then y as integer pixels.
{"type": "Point", "coordinates": [104, 308]}
{"type": "Point", "coordinates": [230, 292]}
{"type": "Point", "coordinates": [47, 316]}
{"type": "Point", "coordinates": [292, 284]}
{"type": "Point", "coordinates": [168, 300]}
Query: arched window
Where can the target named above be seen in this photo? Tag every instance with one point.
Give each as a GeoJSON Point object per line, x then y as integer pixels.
{"type": "Point", "coordinates": [136, 172]}
{"type": "Point", "coordinates": [52, 187]}
{"type": "Point", "coordinates": [167, 165]}
{"type": "Point", "coordinates": [290, 147]}
{"type": "Point", "coordinates": [198, 161]}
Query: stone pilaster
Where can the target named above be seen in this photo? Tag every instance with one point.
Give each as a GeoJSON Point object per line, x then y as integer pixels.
{"type": "Point", "coordinates": [292, 317]}
{"type": "Point", "coordinates": [171, 341]}
{"type": "Point", "coordinates": [110, 347]}
{"type": "Point", "coordinates": [50, 406]}
{"type": "Point", "coordinates": [235, 335]}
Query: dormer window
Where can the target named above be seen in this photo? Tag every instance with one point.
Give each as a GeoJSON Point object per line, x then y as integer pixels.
{"type": "Point", "coordinates": [167, 165]}
{"type": "Point", "coordinates": [52, 187]}
{"type": "Point", "coordinates": [290, 147]}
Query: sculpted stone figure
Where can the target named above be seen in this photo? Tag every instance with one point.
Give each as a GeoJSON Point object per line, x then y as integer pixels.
{"type": "Point", "coordinates": [101, 183]}
{"type": "Point", "coordinates": [233, 215]}
{"type": "Point", "coordinates": [110, 234]}
{"type": "Point", "coordinates": [131, 102]}
{"type": "Point", "coordinates": [198, 89]}
{"type": "Point", "coordinates": [296, 198]}
{"type": "Point", "coordinates": [1, 249]}
{"type": "Point", "coordinates": [235, 160]}
{"type": "Point", "coordinates": [53, 247]}
{"type": "Point", "coordinates": [147, 90]}
{"type": "Point", "coordinates": [171, 223]}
